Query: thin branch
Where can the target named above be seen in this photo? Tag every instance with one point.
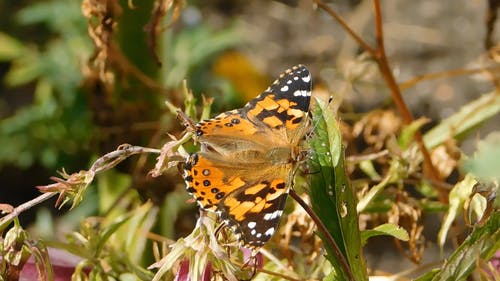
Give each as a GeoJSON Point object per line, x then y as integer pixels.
{"type": "Point", "coordinates": [372, 156]}
{"type": "Point", "coordinates": [448, 73]}
{"type": "Point", "coordinates": [113, 158]}
{"type": "Point", "coordinates": [117, 57]}
{"type": "Point", "coordinates": [25, 206]}
{"type": "Point", "coordinates": [72, 187]}
{"type": "Point", "coordinates": [385, 69]}
{"type": "Point", "coordinates": [351, 32]}
{"type": "Point", "coordinates": [328, 237]}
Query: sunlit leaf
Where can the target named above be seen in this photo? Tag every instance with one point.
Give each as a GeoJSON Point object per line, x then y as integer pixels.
{"type": "Point", "coordinates": [457, 197]}
{"type": "Point", "coordinates": [385, 229]}
{"type": "Point", "coordinates": [467, 118]}
{"type": "Point", "coordinates": [10, 48]}
{"type": "Point", "coordinates": [408, 132]}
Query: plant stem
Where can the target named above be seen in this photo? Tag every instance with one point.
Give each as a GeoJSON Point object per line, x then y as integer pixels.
{"type": "Point", "coordinates": [447, 73]}
{"type": "Point", "coordinates": [341, 21]}
{"type": "Point", "coordinates": [25, 206]}
{"type": "Point", "coordinates": [385, 69]}
{"type": "Point", "coordinates": [328, 237]}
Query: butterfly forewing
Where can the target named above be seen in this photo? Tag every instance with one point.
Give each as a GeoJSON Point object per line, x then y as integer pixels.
{"type": "Point", "coordinates": [286, 102]}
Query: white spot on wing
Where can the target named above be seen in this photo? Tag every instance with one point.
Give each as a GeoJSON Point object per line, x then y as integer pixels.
{"type": "Point", "coordinates": [253, 232]}
{"type": "Point", "coordinates": [295, 78]}
{"type": "Point", "coordinates": [270, 231]}
{"type": "Point", "coordinates": [289, 82]}
{"type": "Point", "coordinates": [251, 224]}
{"type": "Point", "coordinates": [258, 235]}
{"type": "Point", "coordinates": [284, 88]}
{"type": "Point", "coordinates": [307, 78]}
{"type": "Point", "coordinates": [273, 215]}
{"type": "Point", "coordinates": [302, 93]}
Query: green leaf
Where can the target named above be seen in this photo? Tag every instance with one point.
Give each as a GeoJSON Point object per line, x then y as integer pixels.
{"type": "Point", "coordinates": [467, 118]}
{"type": "Point", "coordinates": [481, 244]}
{"type": "Point", "coordinates": [385, 229]}
{"type": "Point", "coordinates": [110, 186]}
{"type": "Point", "coordinates": [25, 69]}
{"type": "Point", "coordinates": [132, 234]}
{"type": "Point", "coordinates": [485, 164]}
{"type": "Point", "coordinates": [10, 48]}
{"type": "Point", "coordinates": [460, 192]}
{"type": "Point", "coordinates": [173, 204]}
{"type": "Point", "coordinates": [428, 275]}
{"type": "Point", "coordinates": [369, 169]}
{"type": "Point", "coordinates": [406, 136]}
{"type": "Point", "coordinates": [109, 230]}
{"type": "Point", "coordinates": [332, 197]}
{"type": "Point", "coordinates": [194, 47]}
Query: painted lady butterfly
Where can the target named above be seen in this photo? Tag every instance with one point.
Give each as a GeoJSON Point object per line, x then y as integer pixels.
{"type": "Point", "coordinates": [248, 155]}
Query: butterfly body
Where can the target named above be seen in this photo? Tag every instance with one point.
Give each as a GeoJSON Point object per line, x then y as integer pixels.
{"type": "Point", "coordinates": [245, 167]}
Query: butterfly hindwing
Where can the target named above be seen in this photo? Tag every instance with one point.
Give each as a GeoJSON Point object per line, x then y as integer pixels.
{"type": "Point", "coordinates": [256, 211]}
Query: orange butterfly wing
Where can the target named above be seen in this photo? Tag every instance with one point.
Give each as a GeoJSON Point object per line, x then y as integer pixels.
{"type": "Point", "coordinates": [245, 166]}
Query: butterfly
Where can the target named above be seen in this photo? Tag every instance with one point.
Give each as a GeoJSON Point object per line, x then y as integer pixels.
{"type": "Point", "coordinates": [248, 156]}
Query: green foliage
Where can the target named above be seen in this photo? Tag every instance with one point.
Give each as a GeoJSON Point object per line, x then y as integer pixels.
{"type": "Point", "coordinates": [458, 195]}
{"type": "Point", "coordinates": [480, 245]}
{"type": "Point", "coordinates": [193, 48]}
{"type": "Point", "coordinates": [385, 229]}
{"type": "Point", "coordinates": [10, 48]}
{"type": "Point", "coordinates": [15, 249]}
{"type": "Point", "coordinates": [110, 246]}
{"type": "Point", "coordinates": [463, 121]}
{"type": "Point", "coordinates": [57, 122]}
{"type": "Point", "coordinates": [332, 197]}
{"type": "Point", "coordinates": [485, 164]}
